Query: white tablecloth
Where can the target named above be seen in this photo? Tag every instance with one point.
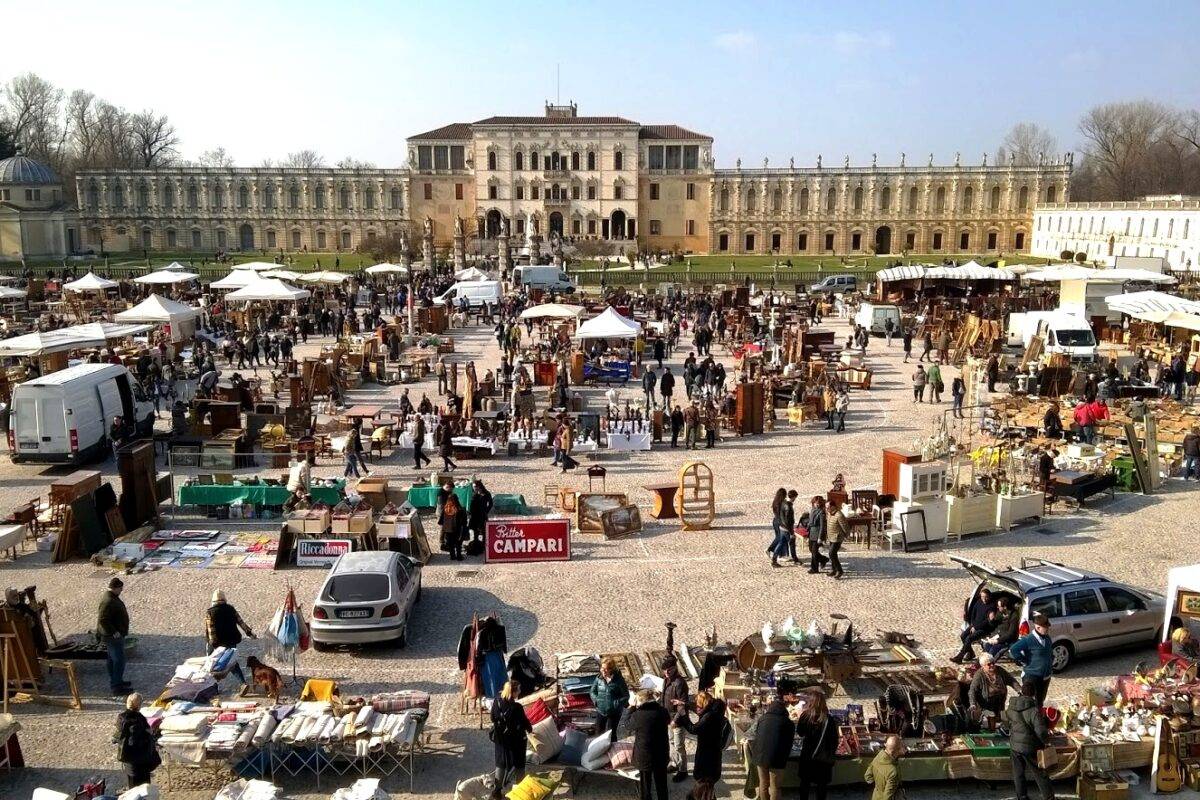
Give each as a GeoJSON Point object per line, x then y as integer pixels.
{"type": "Point", "coordinates": [628, 441]}
{"type": "Point", "coordinates": [477, 444]}
{"type": "Point", "coordinates": [11, 536]}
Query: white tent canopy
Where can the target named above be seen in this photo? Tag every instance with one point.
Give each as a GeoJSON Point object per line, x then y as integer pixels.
{"type": "Point", "coordinates": [971, 271]}
{"type": "Point", "coordinates": [1151, 306]}
{"type": "Point", "coordinates": [324, 276]}
{"type": "Point", "coordinates": [236, 280]}
{"type": "Point", "coordinates": [609, 325]}
{"type": "Point", "coordinates": [386, 268]}
{"type": "Point", "coordinates": [9, 293]}
{"type": "Point", "coordinates": [905, 272]}
{"type": "Point", "coordinates": [93, 334]}
{"type": "Point", "coordinates": [552, 311]}
{"type": "Point", "coordinates": [1068, 272]}
{"type": "Point", "coordinates": [282, 274]}
{"type": "Point", "coordinates": [175, 265]}
{"type": "Point", "coordinates": [267, 289]}
{"type": "Point", "coordinates": [1181, 319]}
{"type": "Point", "coordinates": [156, 308]}
{"type": "Point", "coordinates": [11, 279]}
{"type": "Point", "coordinates": [257, 266]}
{"type": "Point", "coordinates": [471, 274]}
{"type": "Point", "coordinates": [90, 283]}
{"type": "Point", "coordinates": [167, 276]}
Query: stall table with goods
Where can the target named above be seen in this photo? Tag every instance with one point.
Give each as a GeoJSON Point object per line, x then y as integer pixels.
{"type": "Point", "coordinates": [195, 493]}
{"type": "Point", "coordinates": [425, 496]}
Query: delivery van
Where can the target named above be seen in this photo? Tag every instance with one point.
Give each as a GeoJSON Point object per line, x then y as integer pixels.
{"type": "Point", "coordinates": [1062, 333]}
{"type": "Point", "coordinates": [548, 278]}
{"type": "Point", "coordinates": [64, 417]}
{"type": "Point", "coordinates": [873, 317]}
{"type": "Point", "coordinates": [477, 293]}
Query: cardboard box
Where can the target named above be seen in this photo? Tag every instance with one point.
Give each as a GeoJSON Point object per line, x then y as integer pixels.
{"type": "Point", "coordinates": [317, 521]}
{"type": "Point", "coordinates": [360, 522]}
{"type": "Point", "coordinates": [1102, 786]}
{"type": "Point", "coordinates": [374, 491]}
{"type": "Point", "coordinates": [386, 526]}
{"type": "Point", "coordinates": [340, 523]}
{"type": "Point", "coordinates": [295, 521]}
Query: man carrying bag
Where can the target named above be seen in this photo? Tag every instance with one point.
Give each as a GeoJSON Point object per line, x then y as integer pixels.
{"type": "Point", "coordinates": [1029, 735]}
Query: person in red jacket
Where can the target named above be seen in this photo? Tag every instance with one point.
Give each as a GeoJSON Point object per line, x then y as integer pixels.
{"type": "Point", "coordinates": [1086, 423]}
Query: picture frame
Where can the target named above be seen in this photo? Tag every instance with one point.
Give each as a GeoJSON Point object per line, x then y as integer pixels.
{"type": "Point", "coordinates": [1188, 604]}
{"type": "Point", "coordinates": [913, 530]}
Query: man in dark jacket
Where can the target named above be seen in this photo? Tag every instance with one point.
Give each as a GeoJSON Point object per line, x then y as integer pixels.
{"type": "Point", "coordinates": [1035, 653]}
{"type": "Point", "coordinates": [1028, 733]}
{"type": "Point", "coordinates": [676, 425]}
{"type": "Point", "coordinates": [666, 387]}
{"type": "Point", "coordinates": [978, 618]}
{"type": "Point", "coordinates": [649, 722]}
{"type": "Point", "coordinates": [479, 511]}
{"type": "Point", "coordinates": [649, 383]}
{"type": "Point", "coordinates": [112, 626]}
{"type": "Point", "coordinates": [772, 743]}
{"type": "Point", "coordinates": [675, 699]}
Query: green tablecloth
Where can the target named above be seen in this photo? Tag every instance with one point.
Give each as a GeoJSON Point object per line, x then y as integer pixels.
{"type": "Point", "coordinates": [509, 504]}
{"type": "Point", "coordinates": [426, 496]}
{"type": "Point", "coordinates": [196, 494]}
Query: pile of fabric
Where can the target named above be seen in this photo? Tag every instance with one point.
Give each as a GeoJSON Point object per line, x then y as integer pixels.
{"type": "Point", "coordinates": [364, 729]}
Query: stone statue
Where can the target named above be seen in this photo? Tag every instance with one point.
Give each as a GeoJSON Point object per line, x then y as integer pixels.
{"type": "Point", "coordinates": [428, 226]}
{"type": "Point", "coordinates": [847, 163]}
{"type": "Point", "coordinates": [739, 163]}
{"type": "Point", "coordinates": [985, 159]}
{"type": "Point", "coordinates": [458, 226]}
{"type": "Point", "coordinates": [874, 159]}
{"type": "Point", "coordinates": [818, 160]}
{"type": "Point", "coordinates": [1041, 157]}
{"type": "Point", "coordinates": [764, 162]}
{"type": "Point", "coordinates": [792, 163]}
{"type": "Point", "coordinates": [902, 159]}
{"type": "Point", "coordinates": [1012, 158]}
{"type": "Point", "coordinates": [958, 159]}
{"type": "Point", "coordinates": [931, 159]}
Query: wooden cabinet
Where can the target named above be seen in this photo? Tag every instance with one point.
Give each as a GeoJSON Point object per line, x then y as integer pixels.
{"type": "Point", "coordinates": [1011, 509]}
{"type": "Point", "coordinates": [749, 408]}
{"type": "Point", "coordinates": [973, 514]}
{"type": "Point", "coordinates": [893, 457]}
{"type": "Point", "coordinates": [921, 480]}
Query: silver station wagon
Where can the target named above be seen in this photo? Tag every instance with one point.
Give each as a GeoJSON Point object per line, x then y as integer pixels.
{"type": "Point", "coordinates": [367, 597]}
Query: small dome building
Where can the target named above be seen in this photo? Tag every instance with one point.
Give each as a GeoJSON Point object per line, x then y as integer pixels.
{"type": "Point", "coordinates": [35, 219]}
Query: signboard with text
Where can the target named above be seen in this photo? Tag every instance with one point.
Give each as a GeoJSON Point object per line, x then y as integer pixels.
{"type": "Point", "coordinates": [520, 539]}
{"type": "Point", "coordinates": [320, 552]}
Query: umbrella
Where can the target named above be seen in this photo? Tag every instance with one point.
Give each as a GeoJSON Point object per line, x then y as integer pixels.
{"type": "Point", "coordinates": [282, 274]}
{"type": "Point", "coordinates": [552, 311]}
{"type": "Point", "coordinates": [175, 265]}
{"type": "Point", "coordinates": [288, 629]}
{"type": "Point", "coordinates": [324, 276]}
{"type": "Point", "coordinates": [385, 268]}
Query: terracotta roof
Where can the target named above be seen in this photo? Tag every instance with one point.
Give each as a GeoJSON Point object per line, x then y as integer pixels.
{"type": "Point", "coordinates": [455, 130]}
{"type": "Point", "coordinates": [556, 121]}
{"type": "Point", "coordinates": [669, 132]}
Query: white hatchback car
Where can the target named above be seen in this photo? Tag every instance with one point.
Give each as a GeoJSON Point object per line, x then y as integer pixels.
{"type": "Point", "coordinates": [367, 597]}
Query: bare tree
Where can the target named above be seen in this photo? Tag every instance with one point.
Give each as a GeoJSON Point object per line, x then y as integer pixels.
{"type": "Point", "coordinates": [33, 106]}
{"type": "Point", "coordinates": [154, 139]}
{"type": "Point", "coordinates": [349, 162]}
{"type": "Point", "coordinates": [84, 127]}
{"type": "Point", "coordinates": [303, 158]}
{"type": "Point", "coordinates": [217, 157]}
{"type": "Point", "coordinates": [1026, 143]}
{"type": "Point", "coordinates": [1121, 140]}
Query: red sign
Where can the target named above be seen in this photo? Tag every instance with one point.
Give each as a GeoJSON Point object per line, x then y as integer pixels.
{"type": "Point", "coordinates": [523, 539]}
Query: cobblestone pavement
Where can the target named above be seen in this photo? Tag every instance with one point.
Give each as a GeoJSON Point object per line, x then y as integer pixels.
{"type": "Point", "coordinates": [612, 595]}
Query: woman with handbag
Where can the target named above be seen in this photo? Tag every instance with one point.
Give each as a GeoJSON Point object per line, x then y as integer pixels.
{"type": "Point", "coordinates": [819, 737]}
{"type": "Point", "coordinates": [510, 727]}
{"type": "Point", "coordinates": [713, 732]}
{"type": "Point", "coordinates": [137, 749]}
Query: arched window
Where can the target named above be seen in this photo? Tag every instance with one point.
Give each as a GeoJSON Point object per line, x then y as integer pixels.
{"type": "Point", "coordinates": [777, 200]}
{"type": "Point", "coordinates": [858, 198]}
{"type": "Point", "coordinates": [968, 200]}
{"type": "Point", "coordinates": [995, 203]}
{"type": "Point", "coordinates": [520, 160]}
{"type": "Point", "coordinates": [591, 160]}
{"type": "Point", "coordinates": [575, 163]}
{"type": "Point", "coordinates": [831, 201]}
{"type": "Point", "coordinates": [618, 160]}
{"type": "Point", "coordinates": [618, 190]}
{"type": "Point", "coordinates": [939, 203]}
{"type": "Point", "coordinates": [218, 195]}
{"type": "Point", "coordinates": [1170, 228]}
{"type": "Point", "coordinates": [750, 198]}
{"type": "Point", "coordinates": [143, 196]}
{"type": "Point", "coordinates": [723, 204]}
{"type": "Point", "coordinates": [885, 199]}
{"type": "Point", "coordinates": [533, 159]}
{"type": "Point", "coordinates": [804, 200]}
{"type": "Point", "coordinates": [169, 198]}
{"type": "Point", "coordinates": [1023, 198]}
{"type": "Point", "coordinates": [93, 195]}
{"type": "Point", "coordinates": [192, 197]}
{"type": "Point", "coordinates": [294, 197]}
{"type": "Point", "coordinates": [243, 197]}
{"type": "Point", "coordinates": [912, 199]}
{"type": "Point", "coordinates": [1051, 193]}
{"type": "Point", "coordinates": [492, 160]}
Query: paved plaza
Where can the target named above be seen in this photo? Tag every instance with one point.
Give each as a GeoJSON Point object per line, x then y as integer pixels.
{"type": "Point", "coordinates": [612, 595]}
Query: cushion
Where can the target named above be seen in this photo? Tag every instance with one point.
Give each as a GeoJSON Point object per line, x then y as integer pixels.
{"type": "Point", "coordinates": [531, 787]}
{"type": "Point", "coordinates": [536, 712]}
{"type": "Point", "coordinates": [573, 744]}
{"type": "Point", "coordinates": [544, 741]}
{"type": "Point", "coordinates": [597, 746]}
{"type": "Point", "coordinates": [621, 754]}
{"type": "Point", "coordinates": [593, 764]}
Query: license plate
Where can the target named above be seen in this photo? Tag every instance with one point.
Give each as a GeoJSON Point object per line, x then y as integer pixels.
{"type": "Point", "coordinates": [28, 445]}
{"type": "Point", "coordinates": [354, 613]}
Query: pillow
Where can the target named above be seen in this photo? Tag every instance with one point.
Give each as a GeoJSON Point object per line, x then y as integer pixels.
{"type": "Point", "coordinates": [572, 748]}
{"type": "Point", "coordinates": [531, 787]}
{"type": "Point", "coordinates": [544, 741]}
{"type": "Point", "coordinates": [620, 755]}
{"type": "Point", "coordinates": [593, 764]}
{"type": "Point", "coordinates": [597, 746]}
{"type": "Point", "coordinates": [536, 712]}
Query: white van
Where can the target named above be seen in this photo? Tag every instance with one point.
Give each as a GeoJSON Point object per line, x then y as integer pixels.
{"type": "Point", "coordinates": [873, 317]}
{"type": "Point", "coordinates": [478, 293]}
{"type": "Point", "coordinates": [64, 417]}
{"type": "Point", "coordinates": [546, 277]}
{"type": "Point", "coordinates": [1062, 332]}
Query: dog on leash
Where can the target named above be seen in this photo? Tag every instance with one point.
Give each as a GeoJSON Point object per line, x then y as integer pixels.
{"type": "Point", "coordinates": [265, 679]}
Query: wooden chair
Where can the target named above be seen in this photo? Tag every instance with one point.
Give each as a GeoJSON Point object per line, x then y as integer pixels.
{"type": "Point", "coordinates": [595, 472]}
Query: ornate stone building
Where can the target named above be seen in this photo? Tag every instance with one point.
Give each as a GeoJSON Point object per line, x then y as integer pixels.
{"type": "Point", "coordinates": [1162, 226]}
{"type": "Point", "coordinates": [859, 210]}
{"type": "Point", "coordinates": [582, 177]}
{"type": "Point", "coordinates": [257, 208]}
{"type": "Point", "coordinates": [35, 219]}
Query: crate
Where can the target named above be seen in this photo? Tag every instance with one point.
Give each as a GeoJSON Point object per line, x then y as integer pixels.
{"type": "Point", "coordinates": [1102, 786]}
{"type": "Point", "coordinates": [360, 522]}
{"type": "Point", "coordinates": [316, 521]}
{"type": "Point", "coordinates": [984, 745]}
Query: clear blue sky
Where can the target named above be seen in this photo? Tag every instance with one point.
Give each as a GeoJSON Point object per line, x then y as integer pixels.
{"type": "Point", "coordinates": [764, 79]}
